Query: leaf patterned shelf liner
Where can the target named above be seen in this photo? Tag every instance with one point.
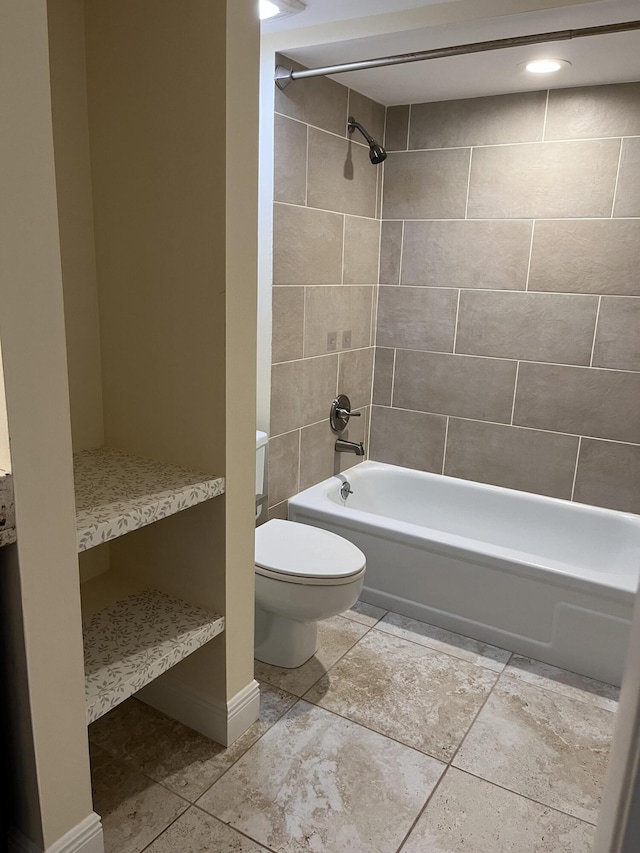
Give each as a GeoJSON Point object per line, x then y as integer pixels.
{"type": "Point", "coordinates": [117, 493]}
{"type": "Point", "coordinates": [7, 510]}
{"type": "Point", "coordinates": [133, 641]}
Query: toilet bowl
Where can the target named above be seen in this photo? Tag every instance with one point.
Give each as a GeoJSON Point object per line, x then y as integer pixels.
{"type": "Point", "coordinates": [303, 574]}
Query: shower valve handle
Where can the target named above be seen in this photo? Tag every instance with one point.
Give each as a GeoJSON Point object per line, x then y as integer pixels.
{"type": "Point", "coordinates": [345, 413]}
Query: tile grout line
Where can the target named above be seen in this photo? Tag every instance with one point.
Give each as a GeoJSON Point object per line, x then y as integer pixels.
{"type": "Point", "coordinates": [401, 258]}
{"type": "Point", "coordinates": [393, 376]}
{"type": "Point", "coordinates": [575, 470]}
{"type": "Point", "coordinates": [344, 234]}
{"type": "Point", "coordinates": [595, 332]}
{"type": "Point", "coordinates": [455, 325]}
{"type": "Point", "coordinates": [359, 215]}
{"type": "Point", "coordinates": [503, 424]}
{"type": "Point", "coordinates": [344, 137]}
{"type": "Point", "coordinates": [306, 172]}
{"type": "Point", "coordinates": [544, 120]}
{"type": "Point", "coordinates": [615, 186]}
{"type": "Point", "coordinates": [299, 460]}
{"type": "Point", "coordinates": [444, 450]}
{"type": "Point", "coordinates": [423, 809]}
{"type": "Point", "coordinates": [445, 287]}
{"type": "Point", "coordinates": [526, 284]}
{"type": "Point", "coordinates": [234, 828]}
{"type": "Point", "coordinates": [466, 203]}
{"type": "Point", "coordinates": [481, 357]}
{"type": "Point", "coordinates": [524, 797]}
{"type": "Point", "coordinates": [530, 142]}
{"type": "Point", "coordinates": [515, 390]}
{"type": "Point", "coordinates": [409, 126]}
{"type": "Point", "coordinates": [440, 651]}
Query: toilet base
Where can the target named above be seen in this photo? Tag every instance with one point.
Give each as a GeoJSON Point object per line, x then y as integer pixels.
{"type": "Point", "coordinates": [284, 642]}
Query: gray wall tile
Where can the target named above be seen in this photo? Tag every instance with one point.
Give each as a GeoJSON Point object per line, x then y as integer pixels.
{"type": "Point", "coordinates": [541, 180]}
{"type": "Point", "coordinates": [290, 161]}
{"type": "Point", "coordinates": [516, 458]}
{"type": "Point", "coordinates": [383, 376]}
{"type": "Point", "coordinates": [478, 121]}
{"type": "Point", "coordinates": [409, 439]}
{"type": "Point", "coordinates": [346, 310]}
{"type": "Point", "coordinates": [416, 318]}
{"type": "Point", "coordinates": [628, 189]}
{"type": "Point", "coordinates": [594, 111]}
{"type": "Point", "coordinates": [318, 459]}
{"type": "Point", "coordinates": [458, 385]}
{"type": "Point", "coordinates": [579, 400]}
{"type": "Point", "coordinates": [318, 101]}
{"type": "Point", "coordinates": [589, 256]}
{"type": "Point", "coordinates": [361, 250]}
{"type": "Point", "coordinates": [307, 246]}
{"type": "Point", "coordinates": [608, 475]}
{"type": "Point", "coordinates": [355, 376]}
{"type": "Point", "coordinates": [283, 467]}
{"type": "Point", "coordinates": [426, 184]}
{"type": "Point", "coordinates": [390, 251]}
{"type": "Point", "coordinates": [369, 113]}
{"type": "Point", "coordinates": [301, 392]}
{"type": "Point", "coordinates": [280, 510]}
{"type": "Point", "coordinates": [287, 337]}
{"type": "Point", "coordinates": [467, 254]}
{"type": "Point", "coordinates": [396, 128]}
{"type": "Point", "coordinates": [618, 335]}
{"type": "Point", "coordinates": [337, 309]}
{"type": "Point", "coordinates": [530, 326]}
{"type": "Point", "coordinates": [340, 175]}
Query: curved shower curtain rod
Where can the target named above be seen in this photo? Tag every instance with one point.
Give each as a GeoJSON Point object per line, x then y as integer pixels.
{"type": "Point", "coordinates": [284, 76]}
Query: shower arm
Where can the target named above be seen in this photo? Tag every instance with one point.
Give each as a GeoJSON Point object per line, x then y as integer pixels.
{"type": "Point", "coordinates": [284, 76]}
{"type": "Point", "coordinates": [353, 125]}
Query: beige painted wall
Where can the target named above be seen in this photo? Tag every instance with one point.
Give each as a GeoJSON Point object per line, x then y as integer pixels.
{"type": "Point", "coordinates": [176, 262]}
{"type": "Point", "coordinates": [53, 791]}
{"type": "Point", "coordinates": [5, 451]}
{"type": "Point", "coordinates": [243, 53]}
{"type": "Point", "coordinates": [75, 217]}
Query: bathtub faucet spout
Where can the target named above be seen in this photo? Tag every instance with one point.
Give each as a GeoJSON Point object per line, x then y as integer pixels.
{"type": "Point", "coordinates": [343, 446]}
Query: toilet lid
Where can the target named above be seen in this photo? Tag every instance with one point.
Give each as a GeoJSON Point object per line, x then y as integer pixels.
{"type": "Point", "coordinates": [302, 551]}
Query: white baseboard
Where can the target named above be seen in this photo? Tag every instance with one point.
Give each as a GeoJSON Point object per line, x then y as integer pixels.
{"type": "Point", "coordinates": [223, 723]}
{"type": "Point", "coordinates": [86, 837]}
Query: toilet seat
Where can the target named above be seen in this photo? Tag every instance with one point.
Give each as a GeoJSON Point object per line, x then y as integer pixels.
{"type": "Point", "coordinates": [298, 553]}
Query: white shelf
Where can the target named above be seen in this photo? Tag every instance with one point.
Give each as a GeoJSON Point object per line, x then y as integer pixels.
{"type": "Point", "coordinates": [117, 493]}
{"type": "Point", "coordinates": [134, 640]}
{"type": "Point", "coordinates": [7, 513]}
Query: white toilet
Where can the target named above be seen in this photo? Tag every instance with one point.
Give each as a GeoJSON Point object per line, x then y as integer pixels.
{"type": "Point", "coordinates": [303, 574]}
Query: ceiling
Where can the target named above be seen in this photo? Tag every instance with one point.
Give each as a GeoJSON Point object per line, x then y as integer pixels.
{"type": "Point", "coordinates": [594, 60]}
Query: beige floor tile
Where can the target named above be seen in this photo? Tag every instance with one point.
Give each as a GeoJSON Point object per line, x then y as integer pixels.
{"type": "Point", "coordinates": [541, 744]}
{"type": "Point", "coordinates": [134, 810]}
{"type": "Point", "coordinates": [461, 647]}
{"type": "Point", "coordinates": [197, 832]}
{"type": "Point", "coordinates": [467, 814]}
{"type": "Point", "coordinates": [316, 782]}
{"type": "Point", "coordinates": [414, 694]}
{"type": "Point", "coordinates": [561, 681]}
{"type": "Point", "coordinates": [366, 614]}
{"type": "Point", "coordinates": [335, 637]}
{"type": "Point", "coordinates": [180, 758]}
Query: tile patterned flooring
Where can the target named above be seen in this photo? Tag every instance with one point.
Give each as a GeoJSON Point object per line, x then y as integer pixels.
{"type": "Point", "coordinates": [396, 736]}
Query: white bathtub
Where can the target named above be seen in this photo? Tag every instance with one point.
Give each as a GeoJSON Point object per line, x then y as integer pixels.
{"type": "Point", "coordinates": [542, 577]}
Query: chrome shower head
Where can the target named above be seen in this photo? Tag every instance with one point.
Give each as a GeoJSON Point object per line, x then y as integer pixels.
{"type": "Point", "coordinates": [376, 152]}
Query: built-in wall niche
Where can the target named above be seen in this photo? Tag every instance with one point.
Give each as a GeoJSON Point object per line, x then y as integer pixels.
{"type": "Point", "coordinates": [138, 196]}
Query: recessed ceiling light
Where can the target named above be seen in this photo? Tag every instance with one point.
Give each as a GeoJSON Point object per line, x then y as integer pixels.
{"type": "Point", "coordinates": [544, 66]}
{"type": "Point", "coordinates": [280, 8]}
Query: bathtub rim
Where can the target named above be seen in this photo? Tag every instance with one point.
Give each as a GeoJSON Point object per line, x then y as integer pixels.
{"type": "Point", "coordinates": [315, 501]}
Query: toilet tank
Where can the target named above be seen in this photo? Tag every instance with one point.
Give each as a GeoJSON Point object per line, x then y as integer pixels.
{"type": "Point", "coordinates": [261, 454]}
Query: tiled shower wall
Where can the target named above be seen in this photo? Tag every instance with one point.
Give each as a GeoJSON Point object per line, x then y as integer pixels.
{"type": "Point", "coordinates": [326, 248]}
{"type": "Point", "coordinates": [508, 335]}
